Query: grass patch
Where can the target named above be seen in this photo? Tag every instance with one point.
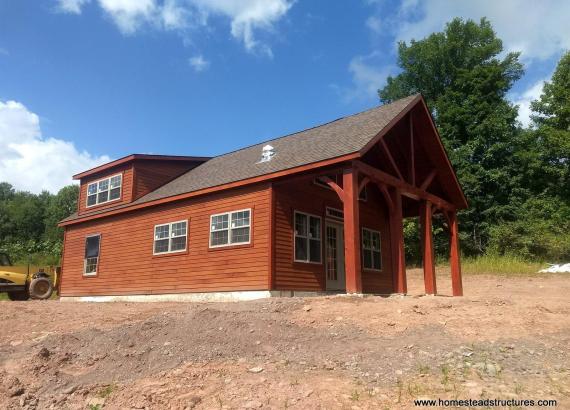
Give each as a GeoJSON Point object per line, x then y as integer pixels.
{"type": "Point", "coordinates": [500, 265]}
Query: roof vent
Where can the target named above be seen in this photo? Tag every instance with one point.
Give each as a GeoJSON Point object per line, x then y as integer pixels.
{"type": "Point", "coordinates": [267, 153]}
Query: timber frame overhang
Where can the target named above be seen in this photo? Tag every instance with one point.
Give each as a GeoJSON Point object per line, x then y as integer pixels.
{"type": "Point", "coordinates": [384, 180]}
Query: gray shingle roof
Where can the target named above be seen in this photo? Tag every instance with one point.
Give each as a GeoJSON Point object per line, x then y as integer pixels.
{"type": "Point", "coordinates": [337, 138]}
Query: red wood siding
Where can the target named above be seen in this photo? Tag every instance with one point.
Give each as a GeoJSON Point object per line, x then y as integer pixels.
{"type": "Point", "coordinates": [126, 190]}
{"type": "Point", "coordinates": [127, 265]}
{"type": "Point", "coordinates": [305, 196]}
{"type": "Point", "coordinates": [150, 175]}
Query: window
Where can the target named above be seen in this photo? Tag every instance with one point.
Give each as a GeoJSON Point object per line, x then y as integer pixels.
{"type": "Point", "coordinates": [170, 237]}
{"type": "Point", "coordinates": [91, 260]}
{"type": "Point", "coordinates": [307, 238]}
{"type": "Point", "coordinates": [105, 190]}
{"type": "Point", "coordinates": [371, 255]}
{"type": "Point", "coordinates": [318, 181]}
{"type": "Point", "coordinates": [334, 213]}
{"type": "Point", "coordinates": [230, 228]}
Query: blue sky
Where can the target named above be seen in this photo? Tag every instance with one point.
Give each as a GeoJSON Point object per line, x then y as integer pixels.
{"type": "Point", "coordinates": [86, 81]}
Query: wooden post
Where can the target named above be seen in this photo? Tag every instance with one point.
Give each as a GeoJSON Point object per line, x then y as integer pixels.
{"type": "Point", "coordinates": [427, 247]}
{"type": "Point", "coordinates": [397, 243]}
{"type": "Point", "coordinates": [351, 232]}
{"type": "Point", "coordinates": [456, 282]}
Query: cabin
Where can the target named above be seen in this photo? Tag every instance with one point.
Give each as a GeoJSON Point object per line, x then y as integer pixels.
{"type": "Point", "coordinates": [314, 212]}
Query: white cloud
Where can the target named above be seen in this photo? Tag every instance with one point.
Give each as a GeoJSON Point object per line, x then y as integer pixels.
{"type": "Point", "coordinates": [129, 15]}
{"type": "Point", "coordinates": [538, 29]}
{"type": "Point", "coordinates": [71, 6]}
{"type": "Point", "coordinates": [31, 162]}
{"type": "Point", "coordinates": [524, 99]}
{"type": "Point", "coordinates": [368, 75]}
{"type": "Point", "coordinates": [246, 16]}
{"type": "Point", "coordinates": [198, 63]}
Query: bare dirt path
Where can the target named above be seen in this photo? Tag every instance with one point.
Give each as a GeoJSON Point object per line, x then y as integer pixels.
{"type": "Point", "coordinates": [507, 338]}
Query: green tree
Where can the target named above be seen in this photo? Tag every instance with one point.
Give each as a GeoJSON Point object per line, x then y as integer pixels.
{"type": "Point", "coordinates": [465, 80]}
{"type": "Point", "coordinates": [59, 207]}
{"type": "Point", "coordinates": [552, 136]}
{"type": "Point", "coordinates": [28, 223]}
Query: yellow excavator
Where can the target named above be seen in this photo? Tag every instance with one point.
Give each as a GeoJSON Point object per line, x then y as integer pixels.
{"type": "Point", "coordinates": [27, 281]}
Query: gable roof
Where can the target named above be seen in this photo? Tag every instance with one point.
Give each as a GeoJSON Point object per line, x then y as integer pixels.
{"type": "Point", "coordinates": [334, 139]}
{"type": "Point", "coordinates": [331, 141]}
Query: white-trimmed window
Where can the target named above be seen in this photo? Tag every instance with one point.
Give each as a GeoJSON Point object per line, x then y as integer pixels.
{"type": "Point", "coordinates": [307, 238]}
{"type": "Point", "coordinates": [230, 228]}
{"type": "Point", "coordinates": [371, 250]}
{"type": "Point", "coordinates": [170, 237]}
{"type": "Point", "coordinates": [104, 190]}
{"type": "Point", "coordinates": [91, 260]}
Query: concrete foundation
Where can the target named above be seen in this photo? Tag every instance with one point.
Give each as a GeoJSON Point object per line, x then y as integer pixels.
{"type": "Point", "coordinates": [196, 297]}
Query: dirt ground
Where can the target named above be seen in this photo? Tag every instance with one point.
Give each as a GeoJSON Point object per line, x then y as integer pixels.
{"type": "Point", "coordinates": [507, 338]}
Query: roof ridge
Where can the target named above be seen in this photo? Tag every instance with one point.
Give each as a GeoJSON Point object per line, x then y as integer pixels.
{"type": "Point", "coordinates": [313, 127]}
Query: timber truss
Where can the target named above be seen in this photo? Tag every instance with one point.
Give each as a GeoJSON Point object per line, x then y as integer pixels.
{"type": "Point", "coordinates": [395, 185]}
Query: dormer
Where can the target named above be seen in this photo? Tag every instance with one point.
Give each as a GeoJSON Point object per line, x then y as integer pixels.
{"type": "Point", "coordinates": [127, 179]}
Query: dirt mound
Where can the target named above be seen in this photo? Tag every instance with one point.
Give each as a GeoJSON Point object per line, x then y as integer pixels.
{"type": "Point", "coordinates": [332, 352]}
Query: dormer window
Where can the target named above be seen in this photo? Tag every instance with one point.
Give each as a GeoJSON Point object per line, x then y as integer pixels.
{"type": "Point", "coordinates": [104, 190]}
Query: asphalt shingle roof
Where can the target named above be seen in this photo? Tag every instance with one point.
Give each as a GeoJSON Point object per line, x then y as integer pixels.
{"type": "Point", "coordinates": [337, 138]}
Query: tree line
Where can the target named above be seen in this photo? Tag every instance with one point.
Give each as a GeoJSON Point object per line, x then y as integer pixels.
{"type": "Point", "coordinates": [28, 223]}
{"type": "Point", "coordinates": [516, 179]}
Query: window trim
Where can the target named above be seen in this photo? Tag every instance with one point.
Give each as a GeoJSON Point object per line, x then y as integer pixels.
{"type": "Point", "coordinates": [308, 215]}
{"type": "Point", "coordinates": [169, 252]}
{"type": "Point", "coordinates": [229, 229]}
{"type": "Point", "coordinates": [333, 217]}
{"type": "Point", "coordinates": [319, 183]}
{"type": "Point", "coordinates": [91, 274]}
{"type": "Point", "coordinates": [109, 190]}
{"type": "Point", "coordinates": [362, 248]}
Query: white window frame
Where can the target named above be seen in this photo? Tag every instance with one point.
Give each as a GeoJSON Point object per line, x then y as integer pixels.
{"type": "Point", "coordinates": [229, 229]}
{"type": "Point", "coordinates": [98, 256]}
{"type": "Point", "coordinates": [295, 236]}
{"type": "Point", "coordinates": [108, 191]}
{"type": "Point", "coordinates": [329, 210]}
{"type": "Point", "coordinates": [371, 249]}
{"type": "Point", "coordinates": [170, 237]}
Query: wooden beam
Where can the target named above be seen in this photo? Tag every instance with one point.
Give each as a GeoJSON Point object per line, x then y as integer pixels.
{"type": "Point", "coordinates": [428, 180]}
{"type": "Point", "coordinates": [397, 244]}
{"type": "Point", "coordinates": [334, 186]}
{"type": "Point", "coordinates": [427, 248]}
{"type": "Point", "coordinates": [405, 188]}
{"type": "Point", "coordinates": [412, 171]}
{"type": "Point", "coordinates": [352, 259]}
{"type": "Point", "coordinates": [363, 184]}
{"type": "Point", "coordinates": [454, 256]}
{"type": "Point", "coordinates": [386, 194]}
{"type": "Point", "coordinates": [391, 158]}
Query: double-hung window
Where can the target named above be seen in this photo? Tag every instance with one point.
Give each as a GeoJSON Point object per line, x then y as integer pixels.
{"type": "Point", "coordinates": [307, 238]}
{"type": "Point", "coordinates": [230, 228]}
{"type": "Point", "coordinates": [91, 260]}
{"type": "Point", "coordinates": [371, 252]}
{"type": "Point", "coordinates": [170, 237]}
{"type": "Point", "coordinates": [105, 190]}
